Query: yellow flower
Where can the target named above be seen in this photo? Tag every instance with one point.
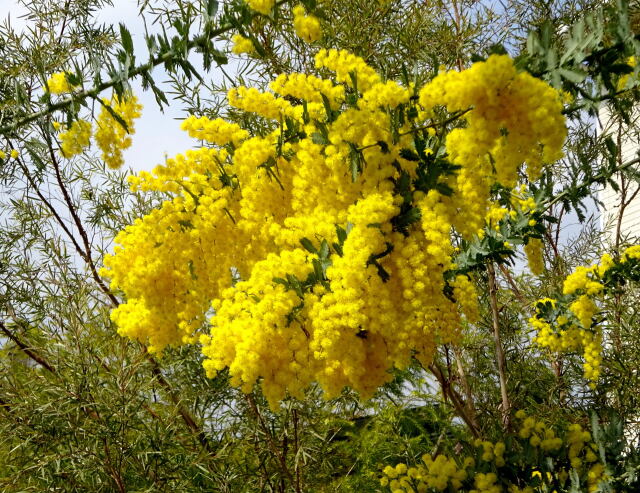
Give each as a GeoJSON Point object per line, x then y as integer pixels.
{"type": "Point", "coordinates": [111, 136]}
{"type": "Point", "coordinates": [58, 83]}
{"type": "Point", "coordinates": [533, 250]}
{"type": "Point", "coordinates": [369, 292]}
{"type": "Point", "coordinates": [76, 139]}
{"type": "Point", "coordinates": [307, 26]}
{"type": "Point", "coordinates": [242, 45]}
{"type": "Point", "coordinates": [262, 6]}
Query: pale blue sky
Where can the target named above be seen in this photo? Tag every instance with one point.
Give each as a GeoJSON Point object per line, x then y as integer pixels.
{"type": "Point", "coordinates": [157, 133]}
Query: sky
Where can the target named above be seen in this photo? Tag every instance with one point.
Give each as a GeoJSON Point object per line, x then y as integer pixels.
{"type": "Point", "coordinates": [157, 133]}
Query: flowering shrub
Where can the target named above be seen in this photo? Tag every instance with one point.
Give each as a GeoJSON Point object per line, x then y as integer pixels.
{"type": "Point", "coordinates": [323, 244]}
{"type": "Point", "coordinates": [114, 127]}
{"type": "Point", "coordinates": [567, 324]}
{"type": "Point", "coordinates": [534, 459]}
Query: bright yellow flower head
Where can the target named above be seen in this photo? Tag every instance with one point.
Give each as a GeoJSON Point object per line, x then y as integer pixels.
{"type": "Point", "coordinates": [58, 83]}
{"type": "Point", "coordinates": [307, 26]}
{"type": "Point", "coordinates": [111, 136]}
{"type": "Point", "coordinates": [76, 139]}
{"type": "Point", "coordinates": [242, 45]}
{"type": "Point", "coordinates": [262, 6]}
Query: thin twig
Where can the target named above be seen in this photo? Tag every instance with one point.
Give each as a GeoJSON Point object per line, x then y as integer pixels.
{"type": "Point", "coordinates": [450, 393]}
{"type": "Point", "coordinates": [79, 96]}
{"type": "Point", "coordinates": [79, 225]}
{"type": "Point", "coordinates": [500, 358]}
{"type": "Point", "coordinates": [594, 179]}
{"type": "Point", "coordinates": [26, 349]}
{"type": "Point", "coordinates": [274, 449]}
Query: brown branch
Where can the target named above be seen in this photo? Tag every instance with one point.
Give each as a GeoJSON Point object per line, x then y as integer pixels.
{"type": "Point", "coordinates": [78, 222]}
{"type": "Point", "coordinates": [556, 241]}
{"type": "Point", "coordinates": [296, 445]}
{"type": "Point", "coordinates": [623, 192]}
{"type": "Point", "coordinates": [450, 393]}
{"type": "Point", "coordinates": [184, 413]}
{"type": "Point", "coordinates": [86, 256]}
{"type": "Point", "coordinates": [469, 402]}
{"type": "Point", "coordinates": [459, 42]}
{"type": "Point", "coordinates": [26, 349]}
{"type": "Point", "coordinates": [282, 461]}
{"type": "Point", "coordinates": [117, 477]}
{"type": "Point", "coordinates": [512, 284]}
{"type": "Point", "coordinates": [500, 358]}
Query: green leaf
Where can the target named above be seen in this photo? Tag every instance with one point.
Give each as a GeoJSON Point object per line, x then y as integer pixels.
{"type": "Point", "coordinates": [35, 149]}
{"type": "Point", "coordinates": [318, 138]}
{"type": "Point", "coordinates": [331, 114]}
{"type": "Point", "coordinates": [409, 155]}
{"type": "Point", "coordinates": [113, 113]}
{"type": "Point", "coordinates": [324, 250]}
{"type": "Point", "coordinates": [317, 269]}
{"type": "Point", "coordinates": [306, 243]}
{"type": "Point", "coordinates": [212, 7]}
{"type": "Point", "coordinates": [125, 37]}
{"type": "Point", "coordinates": [574, 76]}
{"type": "Point", "coordinates": [192, 271]}
{"type": "Point", "coordinates": [355, 162]}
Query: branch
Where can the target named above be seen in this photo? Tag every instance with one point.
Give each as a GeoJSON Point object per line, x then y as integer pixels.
{"type": "Point", "coordinates": [78, 222]}
{"type": "Point", "coordinates": [469, 404]}
{"type": "Point", "coordinates": [514, 287]}
{"type": "Point", "coordinates": [274, 449]}
{"type": "Point", "coordinates": [452, 118]}
{"type": "Point", "coordinates": [449, 392]}
{"type": "Point", "coordinates": [26, 349]}
{"type": "Point", "coordinates": [79, 96]}
{"type": "Point", "coordinates": [500, 358]}
{"type": "Point", "coordinates": [184, 413]}
{"type": "Point", "coordinates": [586, 184]}
{"type": "Point", "coordinates": [85, 253]}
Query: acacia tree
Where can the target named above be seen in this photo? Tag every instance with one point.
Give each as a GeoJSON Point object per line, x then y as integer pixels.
{"type": "Point", "coordinates": [213, 203]}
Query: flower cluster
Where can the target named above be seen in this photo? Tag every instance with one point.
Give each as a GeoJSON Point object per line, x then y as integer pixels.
{"type": "Point", "coordinates": [76, 139]}
{"type": "Point", "coordinates": [112, 136]}
{"type": "Point", "coordinates": [533, 249]}
{"type": "Point", "coordinates": [307, 26]}
{"type": "Point", "coordinates": [218, 131]}
{"type": "Point", "coordinates": [533, 446]}
{"type": "Point", "coordinates": [567, 325]}
{"type": "Point", "coordinates": [59, 84]}
{"type": "Point", "coordinates": [318, 248]}
{"type": "Point", "coordinates": [438, 474]}
{"type": "Point", "coordinates": [112, 133]}
{"type": "Point", "coordinates": [14, 154]}
{"type": "Point", "coordinates": [262, 6]}
{"type": "Point", "coordinates": [557, 333]}
{"type": "Point", "coordinates": [512, 118]}
{"type": "Point", "coordinates": [242, 45]}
